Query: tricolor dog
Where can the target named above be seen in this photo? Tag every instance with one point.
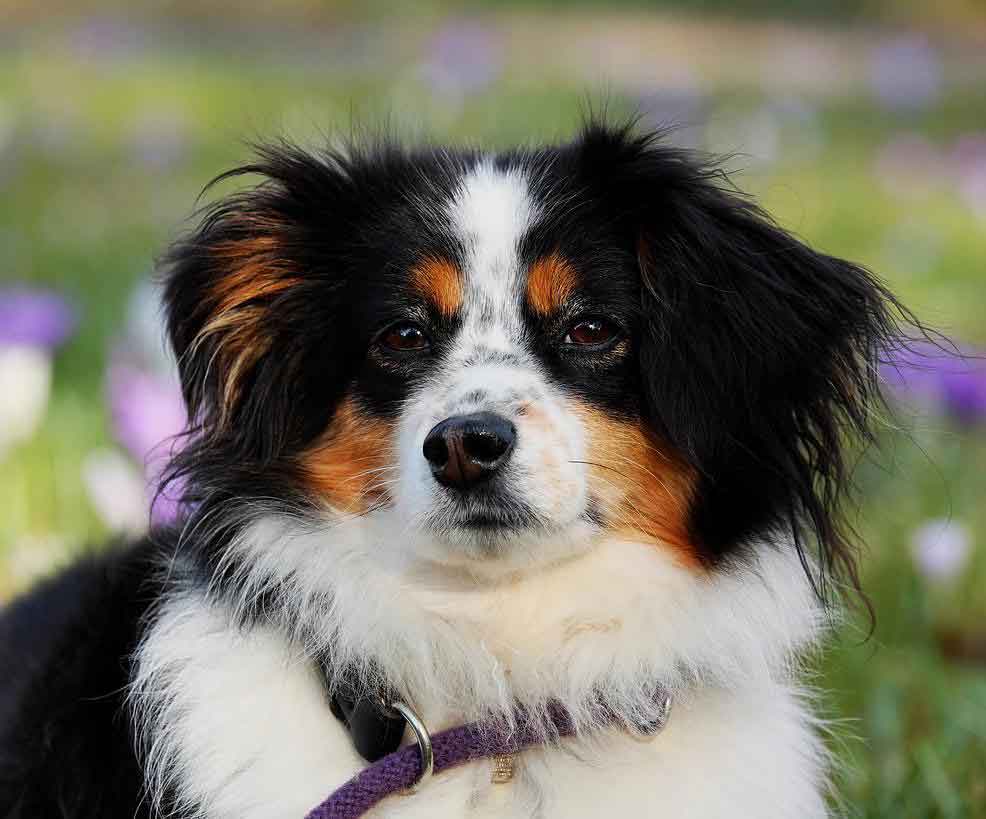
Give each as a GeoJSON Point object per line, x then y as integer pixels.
{"type": "Point", "coordinates": [550, 442]}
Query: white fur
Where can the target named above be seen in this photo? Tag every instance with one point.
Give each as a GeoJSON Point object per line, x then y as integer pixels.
{"type": "Point", "coordinates": [491, 212]}
{"type": "Point", "coordinates": [238, 719]}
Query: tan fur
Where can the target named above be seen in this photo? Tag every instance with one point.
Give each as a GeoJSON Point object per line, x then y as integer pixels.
{"type": "Point", "coordinates": [550, 282]}
{"type": "Point", "coordinates": [643, 488]}
{"type": "Point", "coordinates": [240, 344]}
{"type": "Point", "coordinates": [250, 269]}
{"type": "Point", "coordinates": [253, 269]}
{"type": "Point", "coordinates": [350, 465]}
{"type": "Point", "coordinates": [439, 281]}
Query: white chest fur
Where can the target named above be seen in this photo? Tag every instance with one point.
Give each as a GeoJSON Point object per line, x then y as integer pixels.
{"type": "Point", "coordinates": [249, 734]}
{"type": "Point", "coordinates": [237, 721]}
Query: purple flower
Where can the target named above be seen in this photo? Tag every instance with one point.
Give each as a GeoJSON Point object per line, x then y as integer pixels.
{"type": "Point", "coordinates": [932, 378]}
{"type": "Point", "coordinates": [32, 323]}
{"type": "Point", "coordinates": [31, 317]}
{"type": "Point", "coordinates": [148, 416]}
{"type": "Point", "coordinates": [108, 39]}
{"type": "Point", "coordinates": [906, 73]}
{"type": "Point", "coordinates": [464, 57]}
{"type": "Point", "coordinates": [147, 410]}
{"type": "Point", "coordinates": [969, 166]}
{"type": "Point", "coordinates": [909, 374]}
{"type": "Point", "coordinates": [964, 393]}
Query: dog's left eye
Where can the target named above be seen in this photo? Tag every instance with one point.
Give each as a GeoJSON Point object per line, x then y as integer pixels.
{"type": "Point", "coordinates": [591, 332]}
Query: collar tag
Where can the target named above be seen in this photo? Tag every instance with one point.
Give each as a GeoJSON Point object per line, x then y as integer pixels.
{"type": "Point", "coordinates": [503, 768]}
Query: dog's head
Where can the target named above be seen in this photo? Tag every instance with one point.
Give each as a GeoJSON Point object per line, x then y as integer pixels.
{"type": "Point", "coordinates": [508, 357]}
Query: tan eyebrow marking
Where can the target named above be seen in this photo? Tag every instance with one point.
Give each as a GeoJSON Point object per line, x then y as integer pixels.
{"type": "Point", "coordinates": [439, 281]}
{"type": "Point", "coordinates": [550, 281]}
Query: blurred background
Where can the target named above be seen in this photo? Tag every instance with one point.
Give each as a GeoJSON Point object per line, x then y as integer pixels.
{"type": "Point", "coordinates": [861, 125]}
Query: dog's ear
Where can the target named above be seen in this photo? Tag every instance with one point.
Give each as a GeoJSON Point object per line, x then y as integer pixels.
{"type": "Point", "coordinates": [252, 295]}
{"type": "Point", "coordinates": [757, 353]}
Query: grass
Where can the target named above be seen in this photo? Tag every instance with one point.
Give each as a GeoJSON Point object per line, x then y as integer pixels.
{"type": "Point", "coordinates": [104, 147]}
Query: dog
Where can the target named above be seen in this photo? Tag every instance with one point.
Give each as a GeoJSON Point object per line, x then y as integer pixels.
{"type": "Point", "coordinates": [494, 437]}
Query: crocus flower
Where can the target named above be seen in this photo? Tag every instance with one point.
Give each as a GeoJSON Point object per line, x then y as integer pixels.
{"type": "Point", "coordinates": [906, 73]}
{"type": "Point", "coordinates": [464, 57]}
{"type": "Point", "coordinates": [116, 489]}
{"type": "Point", "coordinates": [147, 410]}
{"type": "Point", "coordinates": [33, 323]}
{"type": "Point", "coordinates": [31, 317]}
{"type": "Point", "coordinates": [107, 39]}
{"type": "Point", "coordinates": [931, 378]}
{"type": "Point", "coordinates": [941, 548]}
{"type": "Point", "coordinates": [909, 374]}
{"type": "Point", "coordinates": [964, 393]}
{"type": "Point", "coordinates": [147, 416]}
{"type": "Point", "coordinates": [969, 166]}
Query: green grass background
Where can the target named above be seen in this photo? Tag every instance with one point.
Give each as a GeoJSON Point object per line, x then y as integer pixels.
{"type": "Point", "coordinates": [84, 101]}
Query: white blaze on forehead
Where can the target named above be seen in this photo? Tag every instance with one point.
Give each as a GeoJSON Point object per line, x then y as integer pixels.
{"type": "Point", "coordinates": [491, 212]}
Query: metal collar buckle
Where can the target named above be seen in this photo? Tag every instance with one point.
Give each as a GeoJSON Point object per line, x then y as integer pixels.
{"type": "Point", "coordinates": [423, 738]}
{"type": "Point", "coordinates": [645, 733]}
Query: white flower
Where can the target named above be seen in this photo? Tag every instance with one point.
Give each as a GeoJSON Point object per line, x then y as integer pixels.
{"type": "Point", "coordinates": [25, 383]}
{"type": "Point", "coordinates": [940, 548]}
{"type": "Point", "coordinates": [117, 490]}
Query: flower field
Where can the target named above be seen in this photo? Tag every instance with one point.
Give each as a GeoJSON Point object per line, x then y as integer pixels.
{"type": "Point", "coordinates": [868, 141]}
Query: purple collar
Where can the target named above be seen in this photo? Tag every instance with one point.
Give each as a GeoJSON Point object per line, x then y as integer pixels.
{"type": "Point", "coordinates": [401, 770]}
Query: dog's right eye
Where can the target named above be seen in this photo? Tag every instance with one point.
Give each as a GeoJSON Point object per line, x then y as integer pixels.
{"type": "Point", "coordinates": [405, 337]}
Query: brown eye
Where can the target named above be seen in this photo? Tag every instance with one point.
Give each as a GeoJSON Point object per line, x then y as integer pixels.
{"type": "Point", "coordinates": [405, 337]}
{"type": "Point", "coordinates": [591, 332]}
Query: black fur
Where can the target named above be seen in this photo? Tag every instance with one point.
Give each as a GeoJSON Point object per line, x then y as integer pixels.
{"type": "Point", "coordinates": [66, 743]}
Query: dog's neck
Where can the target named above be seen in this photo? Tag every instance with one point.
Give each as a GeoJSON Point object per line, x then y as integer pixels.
{"type": "Point", "coordinates": [227, 681]}
{"type": "Point", "coordinates": [611, 622]}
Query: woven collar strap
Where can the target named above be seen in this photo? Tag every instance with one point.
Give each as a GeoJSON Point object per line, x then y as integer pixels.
{"type": "Point", "coordinates": [399, 771]}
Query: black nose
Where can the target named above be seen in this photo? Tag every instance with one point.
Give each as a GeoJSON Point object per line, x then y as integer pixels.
{"type": "Point", "coordinates": [466, 450]}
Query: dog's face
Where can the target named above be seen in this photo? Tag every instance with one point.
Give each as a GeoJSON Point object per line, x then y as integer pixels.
{"type": "Point", "coordinates": [504, 375]}
{"type": "Point", "coordinates": [509, 357]}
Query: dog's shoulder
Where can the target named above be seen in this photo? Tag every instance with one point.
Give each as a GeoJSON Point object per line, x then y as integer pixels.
{"type": "Point", "coordinates": [66, 748]}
